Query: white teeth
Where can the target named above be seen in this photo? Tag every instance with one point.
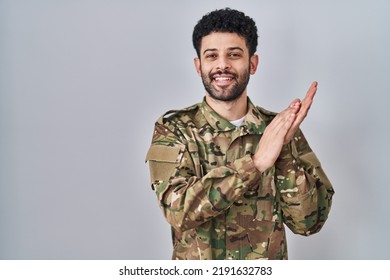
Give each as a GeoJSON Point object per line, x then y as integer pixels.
{"type": "Point", "coordinates": [223, 79]}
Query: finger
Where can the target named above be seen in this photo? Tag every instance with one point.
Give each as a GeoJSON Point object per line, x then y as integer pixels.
{"type": "Point", "coordinates": [295, 103]}
{"type": "Point", "coordinates": [312, 90]}
{"type": "Point", "coordinates": [305, 106]}
{"type": "Point", "coordinates": [282, 117]}
{"type": "Point", "coordinates": [289, 122]}
{"type": "Point", "coordinates": [303, 110]}
{"type": "Point", "coordinates": [282, 126]}
{"type": "Point", "coordinates": [292, 108]}
{"type": "Point", "coordinates": [284, 131]}
{"type": "Point", "coordinates": [308, 100]}
{"type": "Point", "coordinates": [301, 115]}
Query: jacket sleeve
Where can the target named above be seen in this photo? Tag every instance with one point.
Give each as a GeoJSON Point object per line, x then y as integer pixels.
{"type": "Point", "coordinates": [304, 189]}
{"type": "Point", "coordinates": [186, 197]}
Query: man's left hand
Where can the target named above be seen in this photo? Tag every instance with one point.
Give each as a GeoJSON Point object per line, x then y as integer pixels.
{"type": "Point", "coordinates": [302, 112]}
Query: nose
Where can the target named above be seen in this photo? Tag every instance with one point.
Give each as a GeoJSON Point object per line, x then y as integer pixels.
{"type": "Point", "coordinates": [223, 63]}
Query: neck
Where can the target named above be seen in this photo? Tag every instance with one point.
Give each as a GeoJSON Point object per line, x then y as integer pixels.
{"type": "Point", "coordinates": [229, 110]}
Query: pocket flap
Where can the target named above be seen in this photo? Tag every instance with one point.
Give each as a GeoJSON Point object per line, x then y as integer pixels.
{"type": "Point", "coordinates": [163, 153]}
{"type": "Point", "coordinates": [163, 160]}
{"type": "Point", "coordinates": [310, 158]}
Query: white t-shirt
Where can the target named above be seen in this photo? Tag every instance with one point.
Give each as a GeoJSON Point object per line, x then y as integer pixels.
{"type": "Point", "coordinates": [238, 122]}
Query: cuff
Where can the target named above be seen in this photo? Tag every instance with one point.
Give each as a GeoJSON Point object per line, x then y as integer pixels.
{"type": "Point", "coordinates": [247, 171]}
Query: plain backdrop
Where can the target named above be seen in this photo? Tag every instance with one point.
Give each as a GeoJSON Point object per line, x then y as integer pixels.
{"type": "Point", "coordinates": [82, 83]}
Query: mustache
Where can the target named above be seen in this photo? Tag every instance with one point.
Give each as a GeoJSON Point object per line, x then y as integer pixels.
{"type": "Point", "coordinates": [211, 75]}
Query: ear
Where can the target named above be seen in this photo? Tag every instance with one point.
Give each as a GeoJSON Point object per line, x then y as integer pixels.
{"type": "Point", "coordinates": [197, 65]}
{"type": "Point", "coordinates": [254, 62]}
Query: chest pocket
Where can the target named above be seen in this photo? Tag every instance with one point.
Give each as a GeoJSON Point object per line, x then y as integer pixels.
{"type": "Point", "coordinates": [163, 161]}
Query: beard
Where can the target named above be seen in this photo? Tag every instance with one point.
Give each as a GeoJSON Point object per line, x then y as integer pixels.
{"type": "Point", "coordinates": [229, 93]}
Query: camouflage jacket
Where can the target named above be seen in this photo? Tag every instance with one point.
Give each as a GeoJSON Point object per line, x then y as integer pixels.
{"type": "Point", "coordinates": [218, 204]}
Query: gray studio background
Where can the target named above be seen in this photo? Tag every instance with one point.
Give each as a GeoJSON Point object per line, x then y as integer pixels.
{"type": "Point", "coordinates": [82, 82]}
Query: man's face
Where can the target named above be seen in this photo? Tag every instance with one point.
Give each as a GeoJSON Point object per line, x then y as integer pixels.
{"type": "Point", "coordinates": [225, 65]}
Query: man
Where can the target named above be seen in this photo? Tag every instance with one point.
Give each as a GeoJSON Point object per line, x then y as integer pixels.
{"type": "Point", "coordinates": [228, 174]}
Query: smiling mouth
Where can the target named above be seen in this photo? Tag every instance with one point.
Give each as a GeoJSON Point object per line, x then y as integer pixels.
{"type": "Point", "coordinates": [222, 81]}
{"type": "Point", "coordinates": [223, 78]}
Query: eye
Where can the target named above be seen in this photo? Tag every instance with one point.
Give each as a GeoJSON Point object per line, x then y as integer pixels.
{"type": "Point", "coordinates": [235, 55]}
{"type": "Point", "coordinates": [211, 55]}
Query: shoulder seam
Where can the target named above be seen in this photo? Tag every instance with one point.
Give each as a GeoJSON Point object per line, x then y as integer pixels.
{"type": "Point", "coordinates": [174, 112]}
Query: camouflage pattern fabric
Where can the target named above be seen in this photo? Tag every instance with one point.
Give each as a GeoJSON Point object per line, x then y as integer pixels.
{"type": "Point", "coordinates": [218, 204]}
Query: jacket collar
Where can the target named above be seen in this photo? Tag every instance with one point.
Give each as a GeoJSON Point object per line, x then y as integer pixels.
{"type": "Point", "coordinates": [253, 123]}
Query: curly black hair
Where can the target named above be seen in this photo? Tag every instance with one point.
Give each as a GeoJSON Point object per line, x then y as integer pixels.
{"type": "Point", "coordinates": [226, 20]}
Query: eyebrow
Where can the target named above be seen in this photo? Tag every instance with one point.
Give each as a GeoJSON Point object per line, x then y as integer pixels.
{"type": "Point", "coordinates": [229, 49]}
